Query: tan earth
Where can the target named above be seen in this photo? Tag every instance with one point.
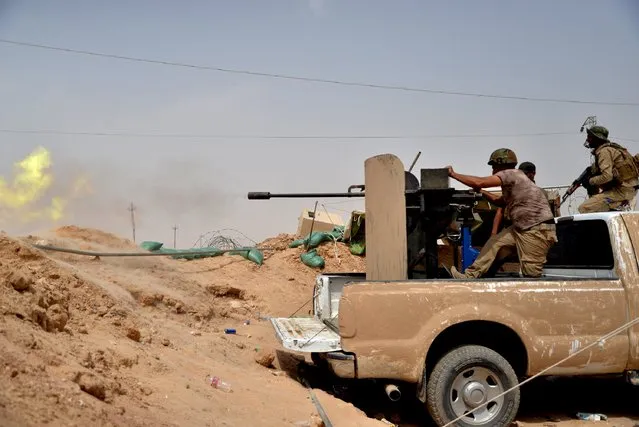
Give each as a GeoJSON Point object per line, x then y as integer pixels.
{"type": "Point", "coordinates": [131, 341]}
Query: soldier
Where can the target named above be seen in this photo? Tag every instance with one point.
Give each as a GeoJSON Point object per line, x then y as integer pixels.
{"type": "Point", "coordinates": [614, 172]}
{"type": "Point", "coordinates": [532, 232]}
{"type": "Point", "coordinates": [530, 170]}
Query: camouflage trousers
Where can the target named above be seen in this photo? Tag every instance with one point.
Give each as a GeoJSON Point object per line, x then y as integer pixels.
{"type": "Point", "coordinates": [608, 200]}
{"type": "Point", "coordinates": [531, 246]}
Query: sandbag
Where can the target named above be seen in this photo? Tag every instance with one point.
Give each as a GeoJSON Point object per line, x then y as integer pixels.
{"type": "Point", "coordinates": [319, 237]}
{"type": "Point", "coordinates": [296, 243]}
{"type": "Point", "coordinates": [205, 253]}
{"type": "Point", "coordinates": [312, 259]}
{"type": "Point", "coordinates": [254, 255]}
{"type": "Point", "coordinates": [151, 246]}
{"type": "Point", "coordinates": [358, 248]}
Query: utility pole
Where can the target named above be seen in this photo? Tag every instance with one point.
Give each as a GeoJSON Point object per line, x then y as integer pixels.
{"type": "Point", "coordinates": [175, 229]}
{"type": "Point", "coordinates": [132, 210]}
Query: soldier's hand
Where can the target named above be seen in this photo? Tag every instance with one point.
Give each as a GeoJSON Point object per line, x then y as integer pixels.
{"type": "Point", "coordinates": [450, 170]}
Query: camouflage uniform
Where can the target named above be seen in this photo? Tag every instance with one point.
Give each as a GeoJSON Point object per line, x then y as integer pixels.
{"type": "Point", "coordinates": [614, 172]}
{"type": "Point", "coordinates": [532, 232]}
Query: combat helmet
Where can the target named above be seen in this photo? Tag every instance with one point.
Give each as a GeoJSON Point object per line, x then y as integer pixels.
{"type": "Point", "coordinates": [598, 132]}
{"type": "Point", "coordinates": [503, 156]}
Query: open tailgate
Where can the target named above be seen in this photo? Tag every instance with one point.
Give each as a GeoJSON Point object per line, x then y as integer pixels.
{"type": "Point", "coordinates": [306, 334]}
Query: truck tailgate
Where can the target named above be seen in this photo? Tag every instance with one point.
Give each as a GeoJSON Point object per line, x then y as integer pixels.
{"type": "Point", "coordinates": [307, 334]}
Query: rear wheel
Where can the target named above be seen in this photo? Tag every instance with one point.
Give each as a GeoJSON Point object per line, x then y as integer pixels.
{"type": "Point", "coordinates": [467, 377]}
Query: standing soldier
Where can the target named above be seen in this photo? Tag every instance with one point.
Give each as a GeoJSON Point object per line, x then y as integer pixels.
{"type": "Point", "coordinates": [532, 232]}
{"type": "Point", "coordinates": [614, 172]}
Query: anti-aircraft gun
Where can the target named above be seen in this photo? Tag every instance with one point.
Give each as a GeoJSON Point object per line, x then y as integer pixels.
{"type": "Point", "coordinates": [431, 208]}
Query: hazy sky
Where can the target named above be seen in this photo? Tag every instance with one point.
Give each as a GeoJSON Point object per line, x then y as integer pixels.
{"type": "Point", "coordinates": [548, 49]}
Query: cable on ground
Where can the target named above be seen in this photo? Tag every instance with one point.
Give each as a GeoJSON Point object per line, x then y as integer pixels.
{"type": "Point", "coordinates": [124, 254]}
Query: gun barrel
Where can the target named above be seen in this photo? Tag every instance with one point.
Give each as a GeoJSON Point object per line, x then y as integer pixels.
{"type": "Point", "coordinates": [265, 195]}
{"type": "Point", "coordinates": [463, 197]}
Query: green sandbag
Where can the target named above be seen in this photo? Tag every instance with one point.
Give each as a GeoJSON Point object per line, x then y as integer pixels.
{"type": "Point", "coordinates": [319, 237]}
{"type": "Point", "coordinates": [358, 248]}
{"type": "Point", "coordinates": [254, 255]}
{"type": "Point", "coordinates": [205, 253]}
{"type": "Point", "coordinates": [312, 259]}
{"type": "Point", "coordinates": [296, 243]}
{"type": "Point", "coordinates": [151, 246]}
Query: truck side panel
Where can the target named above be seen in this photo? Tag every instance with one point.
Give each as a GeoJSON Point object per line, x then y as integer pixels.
{"type": "Point", "coordinates": [552, 318]}
{"type": "Point", "coordinates": [627, 242]}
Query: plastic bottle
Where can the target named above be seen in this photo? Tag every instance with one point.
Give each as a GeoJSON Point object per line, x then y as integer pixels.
{"type": "Point", "coordinates": [216, 382]}
{"type": "Point", "coordinates": [591, 417]}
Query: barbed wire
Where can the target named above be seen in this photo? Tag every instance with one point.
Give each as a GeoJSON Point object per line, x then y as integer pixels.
{"type": "Point", "coordinates": [227, 238]}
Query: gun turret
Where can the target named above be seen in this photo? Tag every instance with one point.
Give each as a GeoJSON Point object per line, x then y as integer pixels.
{"type": "Point", "coordinates": [430, 208]}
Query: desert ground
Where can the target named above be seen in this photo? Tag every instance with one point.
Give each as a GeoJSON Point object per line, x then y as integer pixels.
{"type": "Point", "coordinates": [130, 341]}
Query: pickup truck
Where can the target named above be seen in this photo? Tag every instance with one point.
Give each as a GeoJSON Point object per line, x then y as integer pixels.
{"type": "Point", "coordinates": [462, 343]}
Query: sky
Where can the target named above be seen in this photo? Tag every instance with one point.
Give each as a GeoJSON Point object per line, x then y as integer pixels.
{"type": "Point", "coordinates": [573, 49]}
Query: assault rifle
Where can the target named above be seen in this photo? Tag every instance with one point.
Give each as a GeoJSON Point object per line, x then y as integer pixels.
{"type": "Point", "coordinates": [581, 181]}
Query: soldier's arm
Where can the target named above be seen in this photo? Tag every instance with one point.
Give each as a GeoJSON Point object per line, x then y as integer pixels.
{"type": "Point", "coordinates": [492, 198]}
{"type": "Point", "coordinates": [475, 181]}
{"type": "Point", "coordinates": [605, 167]}
{"type": "Point", "coordinates": [497, 221]}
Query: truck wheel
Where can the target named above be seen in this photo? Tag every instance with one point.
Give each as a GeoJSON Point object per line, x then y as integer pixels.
{"type": "Point", "coordinates": [467, 377]}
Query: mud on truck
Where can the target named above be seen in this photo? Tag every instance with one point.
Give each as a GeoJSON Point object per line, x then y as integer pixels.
{"type": "Point", "coordinates": [465, 343]}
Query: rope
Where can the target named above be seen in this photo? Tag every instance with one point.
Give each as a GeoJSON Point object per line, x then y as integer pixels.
{"type": "Point", "coordinates": [123, 254]}
{"type": "Point", "coordinates": [598, 341]}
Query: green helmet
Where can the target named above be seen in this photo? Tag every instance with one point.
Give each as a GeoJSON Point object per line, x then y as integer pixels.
{"type": "Point", "coordinates": [598, 132]}
{"type": "Point", "coordinates": [503, 156]}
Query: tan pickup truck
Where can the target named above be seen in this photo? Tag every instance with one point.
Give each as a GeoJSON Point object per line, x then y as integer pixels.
{"type": "Point", "coordinates": [463, 343]}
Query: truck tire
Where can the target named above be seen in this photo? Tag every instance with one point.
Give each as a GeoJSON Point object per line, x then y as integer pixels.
{"type": "Point", "coordinates": [465, 378]}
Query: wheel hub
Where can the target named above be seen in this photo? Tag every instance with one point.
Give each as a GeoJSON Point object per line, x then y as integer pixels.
{"type": "Point", "coordinates": [472, 388]}
{"type": "Point", "coordinates": [474, 394]}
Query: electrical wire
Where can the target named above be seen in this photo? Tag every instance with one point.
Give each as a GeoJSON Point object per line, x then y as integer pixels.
{"type": "Point", "coordinates": [214, 136]}
{"type": "Point", "coordinates": [310, 79]}
{"type": "Point", "coordinates": [275, 137]}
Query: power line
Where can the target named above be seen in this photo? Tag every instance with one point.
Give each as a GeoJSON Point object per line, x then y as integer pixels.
{"type": "Point", "coordinates": [236, 136]}
{"type": "Point", "coordinates": [310, 79]}
{"type": "Point", "coordinates": [213, 136]}
{"type": "Point", "coordinates": [626, 139]}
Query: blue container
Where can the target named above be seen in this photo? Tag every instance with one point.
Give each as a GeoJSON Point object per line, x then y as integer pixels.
{"type": "Point", "coordinates": [229, 331]}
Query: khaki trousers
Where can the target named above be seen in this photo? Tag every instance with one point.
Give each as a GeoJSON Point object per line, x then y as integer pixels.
{"type": "Point", "coordinates": [531, 246]}
{"type": "Point", "coordinates": [607, 200]}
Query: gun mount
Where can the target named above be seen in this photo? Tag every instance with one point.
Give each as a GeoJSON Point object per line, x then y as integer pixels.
{"type": "Point", "coordinates": [431, 207]}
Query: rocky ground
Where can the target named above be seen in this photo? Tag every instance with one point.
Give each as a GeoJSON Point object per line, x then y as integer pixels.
{"type": "Point", "coordinates": [131, 341]}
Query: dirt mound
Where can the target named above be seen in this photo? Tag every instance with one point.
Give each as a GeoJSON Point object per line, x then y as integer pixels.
{"type": "Point", "coordinates": [43, 307]}
{"type": "Point", "coordinates": [85, 341]}
{"type": "Point", "coordinates": [278, 243]}
{"type": "Point", "coordinates": [92, 235]}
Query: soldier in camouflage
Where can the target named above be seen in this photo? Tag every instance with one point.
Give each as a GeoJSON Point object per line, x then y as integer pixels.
{"type": "Point", "coordinates": [532, 232]}
{"type": "Point", "coordinates": [614, 172]}
{"type": "Point", "coordinates": [501, 218]}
